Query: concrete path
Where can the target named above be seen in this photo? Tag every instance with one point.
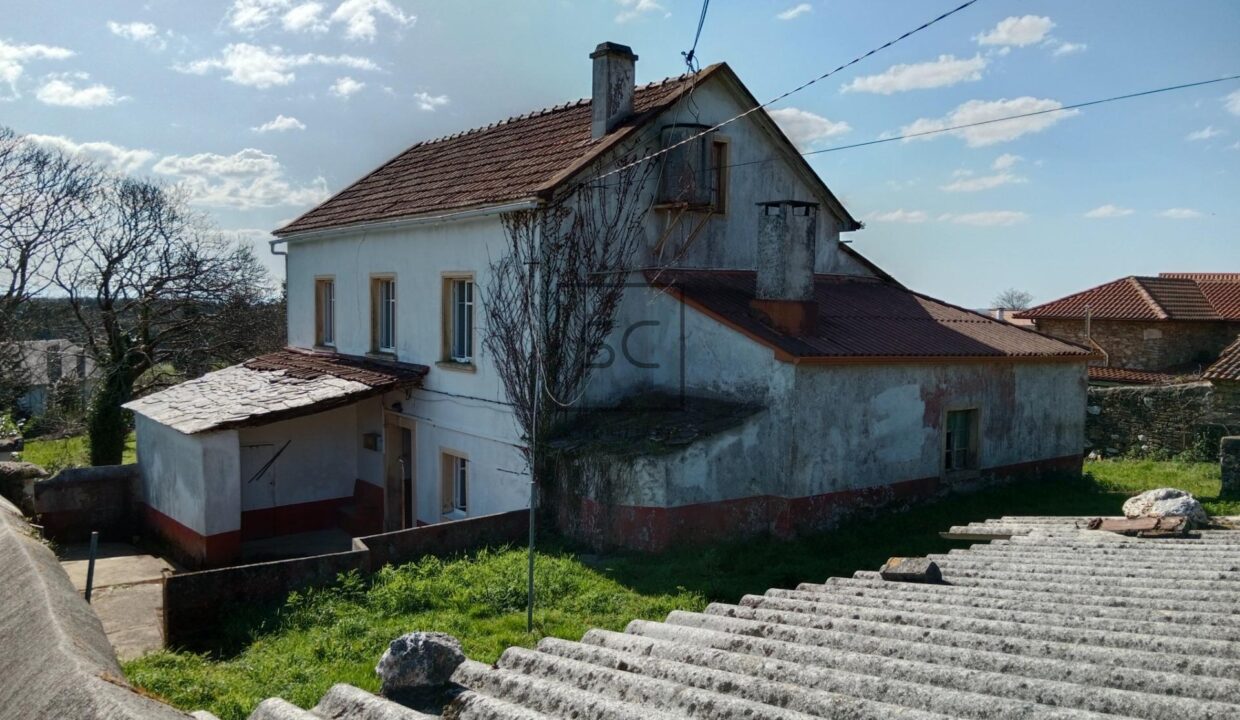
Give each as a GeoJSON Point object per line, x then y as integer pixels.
{"type": "Point", "coordinates": [127, 595]}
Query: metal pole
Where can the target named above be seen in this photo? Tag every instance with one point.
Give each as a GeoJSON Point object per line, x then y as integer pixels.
{"type": "Point", "coordinates": [536, 398]}
{"type": "Point", "coordinates": [90, 565]}
{"type": "Point", "coordinates": [529, 601]}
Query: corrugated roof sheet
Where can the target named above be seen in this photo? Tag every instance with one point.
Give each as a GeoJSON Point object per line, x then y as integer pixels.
{"type": "Point", "coordinates": [506, 161]}
{"type": "Point", "coordinates": [865, 318]}
{"type": "Point", "coordinates": [1227, 367]}
{"type": "Point", "coordinates": [1171, 296]}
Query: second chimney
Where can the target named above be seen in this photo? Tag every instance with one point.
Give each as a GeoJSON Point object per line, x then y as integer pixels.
{"type": "Point", "coordinates": [784, 292]}
{"type": "Point", "coordinates": [611, 101]}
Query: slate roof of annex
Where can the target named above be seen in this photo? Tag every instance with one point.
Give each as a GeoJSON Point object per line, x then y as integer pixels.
{"type": "Point", "coordinates": [1170, 296]}
{"type": "Point", "coordinates": [273, 387]}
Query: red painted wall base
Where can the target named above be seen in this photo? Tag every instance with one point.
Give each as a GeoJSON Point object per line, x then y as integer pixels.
{"type": "Point", "coordinates": [188, 546]}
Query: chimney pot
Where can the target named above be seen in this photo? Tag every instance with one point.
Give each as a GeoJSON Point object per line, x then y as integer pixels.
{"type": "Point", "coordinates": [611, 101]}
{"type": "Point", "coordinates": [784, 288]}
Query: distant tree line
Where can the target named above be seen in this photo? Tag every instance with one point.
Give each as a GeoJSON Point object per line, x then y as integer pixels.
{"type": "Point", "coordinates": [125, 268]}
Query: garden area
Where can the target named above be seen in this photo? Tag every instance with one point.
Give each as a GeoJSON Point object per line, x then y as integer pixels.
{"type": "Point", "coordinates": [324, 636]}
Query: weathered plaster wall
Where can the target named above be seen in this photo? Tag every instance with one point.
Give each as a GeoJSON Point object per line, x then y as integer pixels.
{"type": "Point", "coordinates": [1153, 345]}
{"type": "Point", "coordinates": [320, 462]}
{"type": "Point", "coordinates": [1163, 418]}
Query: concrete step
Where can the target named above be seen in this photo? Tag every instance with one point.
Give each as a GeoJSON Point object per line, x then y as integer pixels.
{"type": "Point", "coordinates": [1021, 610]}
{"type": "Point", "coordinates": [1153, 640]}
{"type": "Point", "coordinates": [775, 693]}
{"type": "Point", "coordinates": [953, 703]}
{"type": "Point", "coordinates": [1217, 612]}
{"type": "Point", "coordinates": [1135, 693]}
{"type": "Point", "coordinates": [1166, 681]}
{"type": "Point", "coordinates": [550, 697]}
{"type": "Point", "coordinates": [625, 686]}
{"type": "Point", "coordinates": [346, 702]}
{"type": "Point", "coordinates": [1037, 645]}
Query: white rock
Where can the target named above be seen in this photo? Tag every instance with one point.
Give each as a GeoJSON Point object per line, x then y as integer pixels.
{"type": "Point", "coordinates": [1165, 501]}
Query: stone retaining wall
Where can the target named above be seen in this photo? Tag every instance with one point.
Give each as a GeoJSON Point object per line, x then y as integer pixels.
{"type": "Point", "coordinates": [76, 501]}
{"type": "Point", "coordinates": [1158, 419]}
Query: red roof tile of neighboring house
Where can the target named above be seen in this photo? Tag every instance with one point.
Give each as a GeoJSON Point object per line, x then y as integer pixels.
{"type": "Point", "coordinates": [864, 319]}
{"type": "Point", "coordinates": [1129, 376]}
{"type": "Point", "coordinates": [1171, 296]}
{"type": "Point", "coordinates": [1227, 367]}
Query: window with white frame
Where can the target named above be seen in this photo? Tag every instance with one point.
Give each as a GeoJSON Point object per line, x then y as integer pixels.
{"type": "Point", "coordinates": [325, 312]}
{"type": "Point", "coordinates": [462, 320]}
{"type": "Point", "coordinates": [383, 291]}
{"type": "Point", "coordinates": [455, 488]}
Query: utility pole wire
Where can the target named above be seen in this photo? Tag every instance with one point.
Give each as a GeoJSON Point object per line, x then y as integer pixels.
{"type": "Point", "coordinates": [793, 91]}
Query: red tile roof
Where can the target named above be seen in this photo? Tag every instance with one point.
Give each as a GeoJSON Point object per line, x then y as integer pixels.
{"type": "Point", "coordinates": [1227, 367]}
{"type": "Point", "coordinates": [1129, 376]}
{"type": "Point", "coordinates": [864, 318]}
{"type": "Point", "coordinates": [1171, 296]}
{"type": "Point", "coordinates": [515, 159]}
{"type": "Point", "coordinates": [309, 365]}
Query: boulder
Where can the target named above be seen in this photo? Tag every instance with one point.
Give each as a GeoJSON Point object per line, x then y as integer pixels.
{"type": "Point", "coordinates": [914, 569]}
{"type": "Point", "coordinates": [1163, 502]}
{"type": "Point", "coordinates": [418, 661]}
{"type": "Point", "coordinates": [17, 483]}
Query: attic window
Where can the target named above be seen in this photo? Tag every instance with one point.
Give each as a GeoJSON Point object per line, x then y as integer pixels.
{"type": "Point", "coordinates": [687, 178]}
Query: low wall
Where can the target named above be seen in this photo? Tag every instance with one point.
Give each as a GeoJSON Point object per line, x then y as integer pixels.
{"type": "Point", "coordinates": [76, 501]}
{"type": "Point", "coordinates": [1167, 419]}
{"type": "Point", "coordinates": [197, 603]}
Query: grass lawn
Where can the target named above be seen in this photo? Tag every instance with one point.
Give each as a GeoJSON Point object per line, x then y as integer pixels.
{"type": "Point", "coordinates": [337, 634]}
{"type": "Point", "coordinates": [72, 451]}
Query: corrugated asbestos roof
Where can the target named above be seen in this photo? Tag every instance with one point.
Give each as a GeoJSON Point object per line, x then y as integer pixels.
{"type": "Point", "coordinates": [864, 318]}
{"type": "Point", "coordinates": [1053, 622]}
{"type": "Point", "coordinates": [1170, 296]}
{"type": "Point", "coordinates": [511, 160]}
{"type": "Point", "coordinates": [1227, 367]}
{"type": "Point", "coordinates": [273, 387]}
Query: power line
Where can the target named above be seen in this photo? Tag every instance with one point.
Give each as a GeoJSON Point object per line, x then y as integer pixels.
{"type": "Point", "coordinates": [793, 91]}
{"type": "Point", "coordinates": [690, 56]}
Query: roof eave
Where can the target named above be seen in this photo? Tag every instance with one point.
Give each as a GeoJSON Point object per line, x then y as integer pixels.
{"type": "Point", "coordinates": [467, 213]}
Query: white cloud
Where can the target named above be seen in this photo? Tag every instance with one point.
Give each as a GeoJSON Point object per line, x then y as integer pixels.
{"type": "Point", "coordinates": [13, 59]}
{"type": "Point", "coordinates": [985, 182]}
{"type": "Point", "coordinates": [1108, 211]}
{"type": "Point", "coordinates": [306, 17]}
{"type": "Point", "coordinates": [634, 9]}
{"type": "Point", "coordinates": [1180, 213]}
{"type": "Point", "coordinates": [63, 92]}
{"type": "Point", "coordinates": [258, 67]}
{"type": "Point", "coordinates": [1068, 48]}
{"type": "Point", "coordinates": [281, 123]}
{"type": "Point", "coordinates": [358, 17]}
{"type": "Point", "coordinates": [1231, 102]}
{"type": "Point", "coordinates": [1018, 31]}
{"type": "Point", "coordinates": [1235, 145]}
{"type": "Point", "coordinates": [346, 86]}
{"type": "Point", "coordinates": [899, 216]}
{"type": "Point", "coordinates": [1006, 161]}
{"type": "Point", "coordinates": [944, 72]}
{"type": "Point", "coordinates": [988, 218]}
{"type": "Point", "coordinates": [252, 15]}
{"type": "Point", "coordinates": [804, 128]}
{"type": "Point", "coordinates": [244, 180]}
{"type": "Point", "coordinates": [795, 11]}
{"type": "Point", "coordinates": [997, 132]}
{"type": "Point", "coordinates": [429, 102]}
{"type": "Point", "coordinates": [1204, 133]}
{"type": "Point", "coordinates": [139, 32]}
{"type": "Point", "coordinates": [117, 157]}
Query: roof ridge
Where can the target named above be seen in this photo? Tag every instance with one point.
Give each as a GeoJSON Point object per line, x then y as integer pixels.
{"type": "Point", "coordinates": [1146, 295]}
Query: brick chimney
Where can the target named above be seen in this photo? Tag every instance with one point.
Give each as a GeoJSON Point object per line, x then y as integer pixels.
{"type": "Point", "coordinates": [784, 295]}
{"type": "Point", "coordinates": [611, 101]}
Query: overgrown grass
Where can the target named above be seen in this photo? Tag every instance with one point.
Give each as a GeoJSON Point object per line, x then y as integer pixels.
{"type": "Point", "coordinates": [337, 634]}
{"type": "Point", "coordinates": [54, 455]}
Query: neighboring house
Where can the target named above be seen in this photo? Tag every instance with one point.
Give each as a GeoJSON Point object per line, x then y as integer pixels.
{"type": "Point", "coordinates": [1008, 315]}
{"type": "Point", "coordinates": [55, 366]}
{"type": "Point", "coordinates": [1224, 375]}
{"type": "Point", "coordinates": [1148, 330]}
{"type": "Point", "coordinates": [840, 384]}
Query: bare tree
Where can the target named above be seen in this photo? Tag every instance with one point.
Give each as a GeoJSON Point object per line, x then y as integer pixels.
{"type": "Point", "coordinates": [1013, 299]}
{"type": "Point", "coordinates": [149, 282]}
{"type": "Point", "coordinates": [552, 298]}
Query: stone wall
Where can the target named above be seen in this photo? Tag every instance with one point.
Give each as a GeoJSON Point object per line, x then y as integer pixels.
{"type": "Point", "coordinates": [1167, 419]}
{"type": "Point", "coordinates": [77, 501]}
{"type": "Point", "coordinates": [1229, 462]}
{"type": "Point", "coordinates": [1152, 345]}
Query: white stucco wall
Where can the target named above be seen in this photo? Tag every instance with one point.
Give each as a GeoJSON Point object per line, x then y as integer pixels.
{"type": "Point", "coordinates": [190, 478]}
{"type": "Point", "coordinates": [320, 462]}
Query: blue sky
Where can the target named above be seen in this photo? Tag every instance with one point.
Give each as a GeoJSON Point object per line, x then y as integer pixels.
{"type": "Point", "coordinates": [262, 107]}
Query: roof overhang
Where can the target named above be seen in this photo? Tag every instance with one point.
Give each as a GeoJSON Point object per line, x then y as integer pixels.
{"type": "Point", "coordinates": [408, 222]}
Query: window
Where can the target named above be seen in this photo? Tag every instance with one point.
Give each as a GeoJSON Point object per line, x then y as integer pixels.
{"type": "Point", "coordinates": [960, 444]}
{"type": "Point", "coordinates": [459, 320]}
{"type": "Point", "coordinates": [455, 489]}
{"type": "Point", "coordinates": [325, 312]}
{"type": "Point", "coordinates": [719, 175]}
{"type": "Point", "coordinates": [383, 314]}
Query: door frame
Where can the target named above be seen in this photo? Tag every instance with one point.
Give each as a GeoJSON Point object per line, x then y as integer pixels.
{"type": "Point", "coordinates": [393, 481]}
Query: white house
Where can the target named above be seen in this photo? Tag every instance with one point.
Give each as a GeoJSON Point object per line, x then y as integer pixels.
{"type": "Point", "coordinates": [53, 364]}
{"type": "Point", "coordinates": [745, 296]}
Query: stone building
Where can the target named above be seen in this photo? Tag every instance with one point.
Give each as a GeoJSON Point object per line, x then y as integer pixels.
{"type": "Point", "coordinates": [1148, 330]}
